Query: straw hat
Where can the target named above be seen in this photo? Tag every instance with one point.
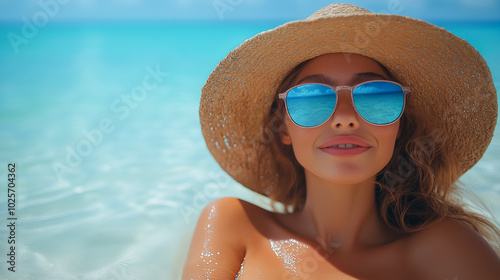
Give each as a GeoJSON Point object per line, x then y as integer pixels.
{"type": "Point", "coordinates": [449, 80]}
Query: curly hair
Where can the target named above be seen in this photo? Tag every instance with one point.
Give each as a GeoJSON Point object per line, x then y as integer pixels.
{"type": "Point", "coordinates": [417, 187]}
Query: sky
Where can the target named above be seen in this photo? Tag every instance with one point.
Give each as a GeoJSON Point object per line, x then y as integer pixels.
{"type": "Point", "coordinates": [222, 10]}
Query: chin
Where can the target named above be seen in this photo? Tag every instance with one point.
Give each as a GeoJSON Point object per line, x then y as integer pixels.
{"type": "Point", "coordinates": [347, 178]}
{"type": "Point", "coordinates": [352, 181]}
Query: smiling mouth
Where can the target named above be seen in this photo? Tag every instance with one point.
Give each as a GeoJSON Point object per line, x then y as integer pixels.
{"type": "Point", "coordinates": [344, 146]}
{"type": "Point", "coordinates": [345, 150]}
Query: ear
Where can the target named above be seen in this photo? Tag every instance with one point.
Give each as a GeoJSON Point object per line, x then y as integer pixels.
{"type": "Point", "coordinates": [285, 138]}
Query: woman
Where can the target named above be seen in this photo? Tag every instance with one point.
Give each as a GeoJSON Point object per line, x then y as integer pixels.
{"type": "Point", "coordinates": [359, 124]}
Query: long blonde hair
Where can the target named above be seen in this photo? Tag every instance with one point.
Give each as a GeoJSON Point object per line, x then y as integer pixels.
{"type": "Point", "coordinates": [418, 186]}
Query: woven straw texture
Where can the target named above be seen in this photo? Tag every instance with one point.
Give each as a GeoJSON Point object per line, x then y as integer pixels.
{"type": "Point", "coordinates": [449, 81]}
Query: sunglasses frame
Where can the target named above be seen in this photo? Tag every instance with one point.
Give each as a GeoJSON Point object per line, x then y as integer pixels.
{"type": "Point", "coordinates": [336, 89]}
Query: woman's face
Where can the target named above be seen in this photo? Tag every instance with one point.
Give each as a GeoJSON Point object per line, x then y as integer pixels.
{"type": "Point", "coordinates": [313, 146]}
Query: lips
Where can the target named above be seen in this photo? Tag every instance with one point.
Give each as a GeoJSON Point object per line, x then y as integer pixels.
{"type": "Point", "coordinates": [344, 141]}
{"type": "Point", "coordinates": [345, 145]}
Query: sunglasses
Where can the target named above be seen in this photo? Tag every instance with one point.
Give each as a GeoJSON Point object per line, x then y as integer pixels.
{"type": "Point", "coordinates": [378, 102]}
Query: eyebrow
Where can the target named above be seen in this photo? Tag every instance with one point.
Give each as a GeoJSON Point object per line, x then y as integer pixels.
{"type": "Point", "coordinates": [356, 79]}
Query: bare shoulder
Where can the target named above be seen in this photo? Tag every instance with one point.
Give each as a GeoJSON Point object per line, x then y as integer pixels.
{"type": "Point", "coordinates": [235, 215]}
{"type": "Point", "coordinates": [221, 238]}
{"type": "Point", "coordinates": [226, 210]}
{"type": "Point", "coordinates": [451, 249]}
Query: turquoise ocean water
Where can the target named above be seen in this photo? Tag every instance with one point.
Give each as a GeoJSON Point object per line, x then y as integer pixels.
{"type": "Point", "coordinates": [101, 121]}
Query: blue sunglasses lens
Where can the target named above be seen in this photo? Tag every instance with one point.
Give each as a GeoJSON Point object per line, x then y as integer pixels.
{"type": "Point", "coordinates": [310, 105]}
{"type": "Point", "coordinates": [377, 102]}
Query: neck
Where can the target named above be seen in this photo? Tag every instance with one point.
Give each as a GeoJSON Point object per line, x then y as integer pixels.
{"type": "Point", "coordinates": [342, 216]}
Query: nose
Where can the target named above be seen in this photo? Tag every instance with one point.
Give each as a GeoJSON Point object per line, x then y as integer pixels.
{"type": "Point", "coordinates": [345, 116]}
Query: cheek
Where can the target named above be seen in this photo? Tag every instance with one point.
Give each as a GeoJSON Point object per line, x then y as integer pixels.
{"type": "Point", "coordinates": [387, 140]}
{"type": "Point", "coordinates": [300, 139]}
{"type": "Point", "coordinates": [291, 133]}
{"type": "Point", "coordinates": [296, 139]}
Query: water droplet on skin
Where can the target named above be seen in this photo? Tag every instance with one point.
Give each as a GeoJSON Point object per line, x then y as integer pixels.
{"type": "Point", "coordinates": [288, 251]}
{"type": "Point", "coordinates": [241, 270]}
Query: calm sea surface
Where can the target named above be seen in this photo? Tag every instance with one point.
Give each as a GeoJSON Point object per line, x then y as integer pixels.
{"type": "Point", "coordinates": [101, 121]}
